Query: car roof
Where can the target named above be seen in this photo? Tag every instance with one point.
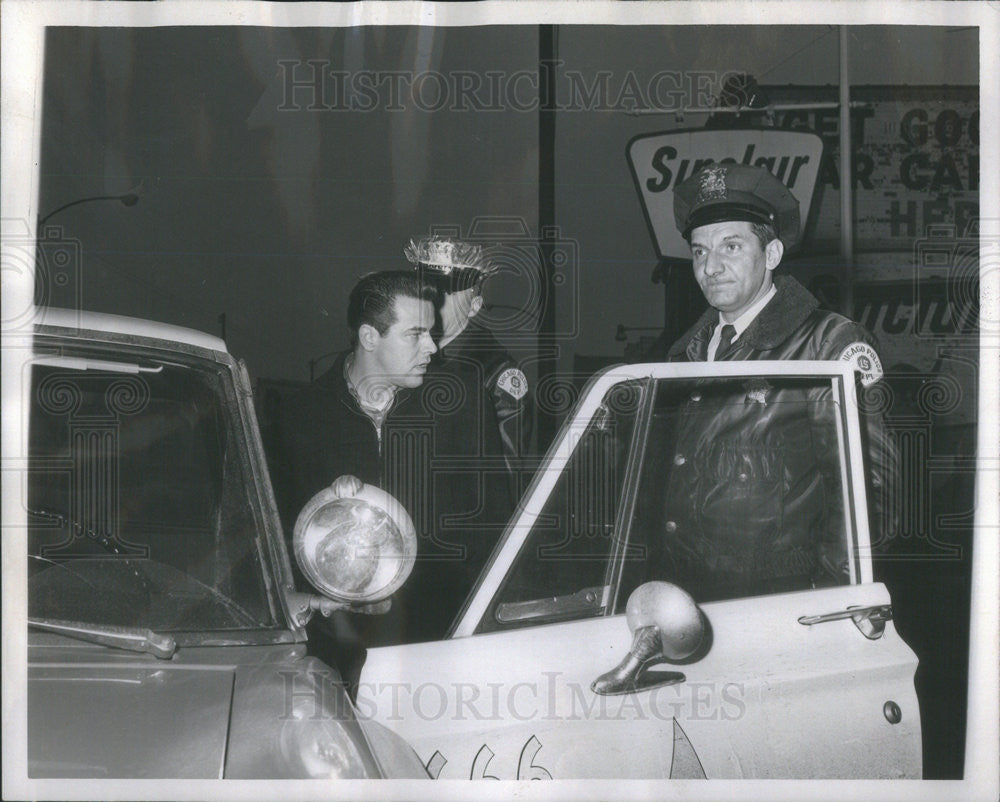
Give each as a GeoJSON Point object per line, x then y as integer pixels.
{"type": "Point", "coordinates": [47, 317]}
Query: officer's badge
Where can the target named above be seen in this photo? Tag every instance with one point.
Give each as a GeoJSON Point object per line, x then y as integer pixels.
{"type": "Point", "coordinates": [514, 383]}
{"type": "Point", "coordinates": [445, 256]}
{"type": "Point", "coordinates": [756, 392]}
{"type": "Point", "coordinates": [865, 361]}
{"type": "Point", "coordinates": [713, 184]}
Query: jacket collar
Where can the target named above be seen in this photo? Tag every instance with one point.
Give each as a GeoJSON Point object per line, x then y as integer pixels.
{"type": "Point", "coordinates": [784, 313]}
{"type": "Point", "coordinates": [333, 381]}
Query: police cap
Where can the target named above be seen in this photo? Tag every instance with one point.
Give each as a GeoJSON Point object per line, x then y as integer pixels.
{"type": "Point", "coordinates": [453, 264]}
{"type": "Point", "coordinates": [726, 192]}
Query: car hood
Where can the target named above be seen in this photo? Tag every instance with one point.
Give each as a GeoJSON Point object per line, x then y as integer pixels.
{"type": "Point", "coordinates": [128, 721]}
{"type": "Point", "coordinates": [207, 713]}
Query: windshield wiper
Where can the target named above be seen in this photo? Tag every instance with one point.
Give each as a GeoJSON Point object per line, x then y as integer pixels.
{"type": "Point", "coordinates": [108, 543]}
{"type": "Point", "coordinates": [134, 639]}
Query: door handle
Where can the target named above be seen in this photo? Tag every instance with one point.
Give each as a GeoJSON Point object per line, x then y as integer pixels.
{"type": "Point", "coordinates": [869, 620]}
{"type": "Point", "coordinates": [583, 601]}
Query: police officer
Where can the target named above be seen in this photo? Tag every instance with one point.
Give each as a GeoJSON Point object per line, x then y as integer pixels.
{"type": "Point", "coordinates": [476, 398]}
{"type": "Point", "coordinates": [739, 221]}
{"type": "Point", "coordinates": [469, 349]}
{"type": "Point", "coordinates": [495, 423]}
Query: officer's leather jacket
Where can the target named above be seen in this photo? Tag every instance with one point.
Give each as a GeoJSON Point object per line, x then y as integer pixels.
{"type": "Point", "coordinates": [494, 419]}
{"type": "Point", "coordinates": [748, 512]}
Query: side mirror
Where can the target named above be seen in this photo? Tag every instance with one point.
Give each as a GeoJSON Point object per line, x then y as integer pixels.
{"type": "Point", "coordinates": [355, 548]}
{"type": "Point", "coordinates": [667, 626]}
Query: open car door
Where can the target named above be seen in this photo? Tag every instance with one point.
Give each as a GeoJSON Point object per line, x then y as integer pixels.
{"type": "Point", "coordinates": [804, 678]}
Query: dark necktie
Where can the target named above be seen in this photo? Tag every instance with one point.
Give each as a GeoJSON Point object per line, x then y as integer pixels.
{"type": "Point", "coordinates": [725, 341]}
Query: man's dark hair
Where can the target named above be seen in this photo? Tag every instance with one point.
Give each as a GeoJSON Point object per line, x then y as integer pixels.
{"type": "Point", "coordinates": [374, 296]}
{"type": "Point", "coordinates": [764, 233]}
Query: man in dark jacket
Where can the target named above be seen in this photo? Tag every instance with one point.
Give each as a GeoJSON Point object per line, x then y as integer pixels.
{"type": "Point", "coordinates": [338, 425]}
{"type": "Point", "coordinates": [739, 220]}
{"type": "Point", "coordinates": [348, 426]}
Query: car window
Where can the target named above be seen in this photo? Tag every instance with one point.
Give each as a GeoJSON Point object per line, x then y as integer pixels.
{"type": "Point", "coordinates": [564, 567]}
{"type": "Point", "coordinates": [741, 489]}
{"type": "Point", "coordinates": [138, 499]}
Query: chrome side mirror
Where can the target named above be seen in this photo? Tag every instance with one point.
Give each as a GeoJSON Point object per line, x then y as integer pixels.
{"type": "Point", "coordinates": [667, 626]}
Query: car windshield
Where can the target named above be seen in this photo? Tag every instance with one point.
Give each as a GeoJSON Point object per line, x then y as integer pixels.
{"type": "Point", "coordinates": [139, 497]}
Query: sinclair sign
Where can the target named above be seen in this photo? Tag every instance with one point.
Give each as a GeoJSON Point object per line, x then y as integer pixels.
{"type": "Point", "coordinates": [661, 161]}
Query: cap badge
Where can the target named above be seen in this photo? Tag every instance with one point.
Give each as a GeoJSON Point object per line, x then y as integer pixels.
{"type": "Point", "coordinates": [713, 184]}
{"type": "Point", "coordinates": [446, 255]}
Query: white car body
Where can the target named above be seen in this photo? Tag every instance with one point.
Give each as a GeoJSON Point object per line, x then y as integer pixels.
{"type": "Point", "coordinates": [771, 698]}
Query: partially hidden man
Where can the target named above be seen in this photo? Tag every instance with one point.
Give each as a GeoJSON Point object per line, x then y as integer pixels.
{"type": "Point", "coordinates": [496, 390]}
{"type": "Point", "coordinates": [750, 484]}
{"type": "Point", "coordinates": [476, 400]}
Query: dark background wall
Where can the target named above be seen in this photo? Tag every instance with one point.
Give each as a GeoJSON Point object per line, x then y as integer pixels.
{"type": "Point", "coordinates": [264, 195]}
{"type": "Point", "coordinates": [255, 203]}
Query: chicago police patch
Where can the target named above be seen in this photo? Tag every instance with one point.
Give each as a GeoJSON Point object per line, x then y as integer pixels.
{"type": "Point", "coordinates": [513, 382]}
{"type": "Point", "coordinates": [865, 361]}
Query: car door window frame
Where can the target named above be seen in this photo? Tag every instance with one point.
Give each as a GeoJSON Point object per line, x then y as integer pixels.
{"type": "Point", "coordinates": [588, 595]}
{"type": "Point", "coordinates": [821, 400]}
{"type": "Point", "coordinates": [842, 379]}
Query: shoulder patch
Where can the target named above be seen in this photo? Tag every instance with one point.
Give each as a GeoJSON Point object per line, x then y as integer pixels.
{"type": "Point", "coordinates": [865, 361]}
{"type": "Point", "coordinates": [513, 382]}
